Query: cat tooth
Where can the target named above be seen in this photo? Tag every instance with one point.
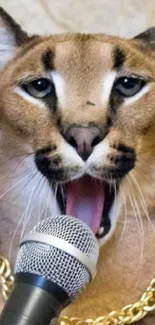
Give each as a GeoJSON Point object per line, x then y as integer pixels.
{"type": "Point", "coordinates": [101, 231]}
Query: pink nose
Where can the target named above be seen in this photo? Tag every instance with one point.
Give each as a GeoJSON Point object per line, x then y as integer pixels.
{"type": "Point", "coordinates": [83, 139]}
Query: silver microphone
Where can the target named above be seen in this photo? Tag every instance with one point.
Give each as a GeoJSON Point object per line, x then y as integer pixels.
{"type": "Point", "coordinates": [56, 261]}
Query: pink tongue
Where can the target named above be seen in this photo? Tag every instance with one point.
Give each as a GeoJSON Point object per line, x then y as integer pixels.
{"type": "Point", "coordinates": [85, 201]}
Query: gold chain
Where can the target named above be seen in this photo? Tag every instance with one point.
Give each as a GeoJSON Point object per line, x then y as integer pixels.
{"type": "Point", "coordinates": [128, 315]}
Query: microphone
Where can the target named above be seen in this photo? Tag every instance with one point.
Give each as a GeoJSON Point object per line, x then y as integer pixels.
{"type": "Point", "coordinates": [55, 262]}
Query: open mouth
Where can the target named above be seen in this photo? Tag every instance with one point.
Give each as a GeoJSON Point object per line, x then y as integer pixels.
{"type": "Point", "coordinates": [89, 200]}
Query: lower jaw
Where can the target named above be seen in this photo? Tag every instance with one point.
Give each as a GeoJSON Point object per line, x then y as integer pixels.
{"type": "Point", "coordinates": [110, 192]}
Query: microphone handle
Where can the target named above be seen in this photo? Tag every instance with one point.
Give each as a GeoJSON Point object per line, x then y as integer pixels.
{"type": "Point", "coordinates": [30, 305]}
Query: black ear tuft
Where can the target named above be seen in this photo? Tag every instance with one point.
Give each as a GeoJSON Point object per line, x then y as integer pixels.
{"type": "Point", "coordinates": [11, 37]}
{"type": "Point", "coordinates": [148, 36]}
{"type": "Point", "coordinates": [8, 23]}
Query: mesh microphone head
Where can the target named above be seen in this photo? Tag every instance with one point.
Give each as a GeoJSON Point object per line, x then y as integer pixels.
{"type": "Point", "coordinates": [54, 262]}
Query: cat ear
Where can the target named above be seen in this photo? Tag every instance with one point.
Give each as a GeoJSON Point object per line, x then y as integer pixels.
{"type": "Point", "coordinates": [147, 37]}
{"type": "Point", "coordinates": [11, 37]}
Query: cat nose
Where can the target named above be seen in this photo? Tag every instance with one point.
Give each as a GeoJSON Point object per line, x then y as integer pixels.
{"type": "Point", "coordinates": [83, 139]}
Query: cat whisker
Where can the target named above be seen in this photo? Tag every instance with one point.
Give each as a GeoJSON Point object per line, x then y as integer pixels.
{"type": "Point", "coordinates": [125, 215]}
{"type": "Point", "coordinates": [140, 227]}
{"type": "Point", "coordinates": [142, 240]}
{"type": "Point", "coordinates": [18, 164]}
{"type": "Point", "coordinates": [14, 235]}
{"type": "Point", "coordinates": [55, 199]}
{"type": "Point", "coordinates": [33, 176]}
{"type": "Point", "coordinates": [41, 194]}
{"type": "Point", "coordinates": [45, 205]}
{"type": "Point", "coordinates": [62, 193]}
{"type": "Point", "coordinates": [144, 176]}
{"type": "Point", "coordinates": [140, 234]}
{"type": "Point", "coordinates": [15, 185]}
{"type": "Point", "coordinates": [19, 223]}
{"type": "Point", "coordinates": [142, 200]}
{"type": "Point", "coordinates": [25, 213]}
{"type": "Point", "coordinates": [40, 201]}
{"type": "Point", "coordinates": [14, 157]}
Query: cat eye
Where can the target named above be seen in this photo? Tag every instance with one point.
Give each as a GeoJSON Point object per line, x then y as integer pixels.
{"type": "Point", "coordinates": [39, 88]}
{"type": "Point", "coordinates": [129, 86]}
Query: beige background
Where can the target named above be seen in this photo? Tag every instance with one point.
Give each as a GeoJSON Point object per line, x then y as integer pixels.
{"type": "Point", "coordinates": [121, 17]}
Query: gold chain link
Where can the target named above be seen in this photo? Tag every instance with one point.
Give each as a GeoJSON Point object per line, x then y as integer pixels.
{"type": "Point", "coordinates": [6, 277]}
{"type": "Point", "coordinates": [128, 315]}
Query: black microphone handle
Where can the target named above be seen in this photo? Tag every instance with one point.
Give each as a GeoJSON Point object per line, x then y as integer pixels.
{"type": "Point", "coordinates": [31, 305]}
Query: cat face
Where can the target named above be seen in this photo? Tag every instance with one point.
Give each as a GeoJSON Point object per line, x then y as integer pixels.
{"type": "Point", "coordinates": [85, 104]}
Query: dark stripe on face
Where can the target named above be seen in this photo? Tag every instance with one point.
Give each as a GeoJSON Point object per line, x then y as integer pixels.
{"type": "Point", "coordinates": [115, 101]}
{"type": "Point", "coordinates": [48, 59]}
{"type": "Point", "coordinates": [51, 100]}
{"type": "Point", "coordinates": [118, 57]}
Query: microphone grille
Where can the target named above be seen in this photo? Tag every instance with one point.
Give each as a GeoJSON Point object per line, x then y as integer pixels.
{"type": "Point", "coordinates": [55, 264]}
{"type": "Point", "coordinates": [73, 231]}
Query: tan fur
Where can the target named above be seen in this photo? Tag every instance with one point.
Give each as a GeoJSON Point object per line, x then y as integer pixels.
{"type": "Point", "coordinates": [83, 61]}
